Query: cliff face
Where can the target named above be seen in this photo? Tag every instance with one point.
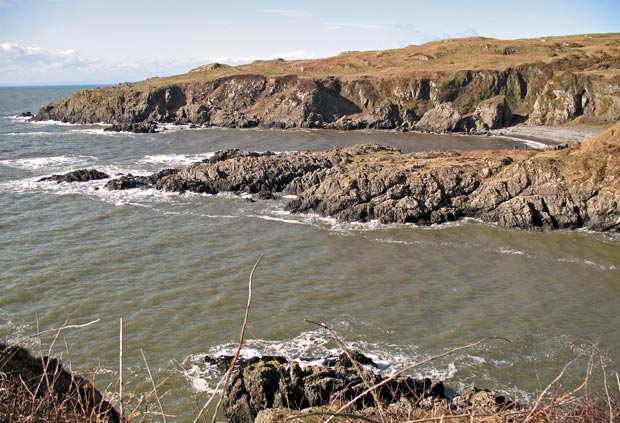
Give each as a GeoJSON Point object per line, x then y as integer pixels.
{"type": "Point", "coordinates": [441, 99]}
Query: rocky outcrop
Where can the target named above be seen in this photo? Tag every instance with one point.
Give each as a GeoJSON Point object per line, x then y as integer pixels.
{"type": "Point", "coordinates": [266, 385]}
{"type": "Point", "coordinates": [81, 175]}
{"type": "Point", "coordinates": [267, 390]}
{"type": "Point", "coordinates": [573, 187]}
{"type": "Point", "coordinates": [447, 101]}
{"type": "Point", "coordinates": [45, 377]}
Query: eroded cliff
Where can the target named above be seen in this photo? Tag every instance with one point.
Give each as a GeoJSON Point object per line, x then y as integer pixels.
{"type": "Point", "coordinates": [468, 85]}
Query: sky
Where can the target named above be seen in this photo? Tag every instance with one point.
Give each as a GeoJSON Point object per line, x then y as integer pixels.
{"type": "Point", "coordinates": [48, 42]}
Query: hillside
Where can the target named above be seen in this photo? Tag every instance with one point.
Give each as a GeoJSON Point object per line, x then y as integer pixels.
{"type": "Point", "coordinates": [456, 85]}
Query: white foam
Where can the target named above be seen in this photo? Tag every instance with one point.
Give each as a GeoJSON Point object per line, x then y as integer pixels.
{"type": "Point", "coordinates": [534, 144]}
{"type": "Point", "coordinates": [312, 347]}
{"type": "Point", "coordinates": [93, 131]}
{"type": "Point", "coordinates": [52, 122]}
{"type": "Point", "coordinates": [508, 250]}
{"type": "Point", "coordinates": [175, 159]}
{"type": "Point", "coordinates": [18, 118]}
{"type": "Point", "coordinates": [589, 263]}
{"type": "Point", "coordinates": [33, 133]}
{"type": "Point", "coordinates": [49, 163]}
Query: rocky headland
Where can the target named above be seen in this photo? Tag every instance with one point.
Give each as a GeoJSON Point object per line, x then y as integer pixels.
{"type": "Point", "coordinates": [569, 186]}
{"type": "Point", "coordinates": [470, 85]}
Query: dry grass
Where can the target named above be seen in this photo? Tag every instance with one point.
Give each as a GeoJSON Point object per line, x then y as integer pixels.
{"type": "Point", "coordinates": [429, 60]}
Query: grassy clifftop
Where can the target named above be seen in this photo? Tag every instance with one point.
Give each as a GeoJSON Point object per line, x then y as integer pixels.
{"type": "Point", "coordinates": [592, 52]}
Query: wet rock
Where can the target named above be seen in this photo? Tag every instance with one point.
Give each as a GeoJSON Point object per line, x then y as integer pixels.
{"type": "Point", "coordinates": [81, 175]}
{"type": "Point", "coordinates": [343, 360]}
{"type": "Point", "coordinates": [549, 190]}
{"type": "Point", "coordinates": [26, 114]}
{"type": "Point", "coordinates": [134, 127]}
{"type": "Point", "coordinates": [266, 385]}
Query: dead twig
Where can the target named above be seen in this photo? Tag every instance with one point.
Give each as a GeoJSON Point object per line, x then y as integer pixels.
{"type": "Point", "coordinates": [120, 368]}
{"type": "Point", "coordinates": [148, 369]}
{"type": "Point", "coordinates": [355, 364]}
{"type": "Point", "coordinates": [236, 356]}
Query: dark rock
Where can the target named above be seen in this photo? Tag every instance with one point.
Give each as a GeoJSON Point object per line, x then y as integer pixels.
{"type": "Point", "coordinates": [270, 384]}
{"type": "Point", "coordinates": [265, 195]}
{"type": "Point", "coordinates": [136, 128]}
{"type": "Point", "coordinates": [343, 360]}
{"type": "Point", "coordinates": [369, 182]}
{"type": "Point", "coordinates": [81, 175]}
{"type": "Point", "coordinates": [26, 114]}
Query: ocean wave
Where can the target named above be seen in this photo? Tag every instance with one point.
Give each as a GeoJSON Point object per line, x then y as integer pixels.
{"type": "Point", "coordinates": [35, 133]}
{"type": "Point", "coordinates": [49, 163]}
{"type": "Point", "coordinates": [512, 251]}
{"type": "Point", "coordinates": [174, 159]}
{"type": "Point", "coordinates": [18, 118]}
{"type": "Point", "coordinates": [312, 347]}
{"type": "Point", "coordinates": [590, 263]}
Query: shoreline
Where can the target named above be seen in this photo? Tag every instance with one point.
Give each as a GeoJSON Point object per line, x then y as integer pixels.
{"type": "Point", "coordinates": [549, 135]}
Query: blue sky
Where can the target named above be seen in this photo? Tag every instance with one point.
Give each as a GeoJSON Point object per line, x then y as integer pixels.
{"type": "Point", "coordinates": [111, 41]}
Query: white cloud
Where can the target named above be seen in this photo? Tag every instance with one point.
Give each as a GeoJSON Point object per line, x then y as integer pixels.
{"type": "Point", "coordinates": [349, 25]}
{"type": "Point", "coordinates": [38, 59]}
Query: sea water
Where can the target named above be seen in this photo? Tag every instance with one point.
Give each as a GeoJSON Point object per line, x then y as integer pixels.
{"type": "Point", "coordinates": [175, 268]}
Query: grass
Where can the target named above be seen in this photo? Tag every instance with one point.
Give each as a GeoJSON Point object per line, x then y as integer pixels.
{"type": "Point", "coordinates": [431, 60]}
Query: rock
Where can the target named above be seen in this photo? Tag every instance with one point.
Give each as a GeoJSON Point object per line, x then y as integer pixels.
{"type": "Point", "coordinates": [442, 118]}
{"type": "Point", "coordinates": [493, 113]}
{"type": "Point", "coordinates": [136, 128]}
{"type": "Point", "coordinates": [81, 175]}
{"type": "Point", "coordinates": [343, 360]}
{"type": "Point", "coordinates": [269, 391]}
{"type": "Point", "coordinates": [559, 189]}
{"type": "Point", "coordinates": [44, 375]}
{"type": "Point", "coordinates": [26, 114]}
{"type": "Point", "coordinates": [481, 401]}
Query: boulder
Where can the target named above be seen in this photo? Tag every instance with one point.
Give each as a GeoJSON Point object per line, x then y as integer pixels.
{"type": "Point", "coordinates": [442, 118]}
{"type": "Point", "coordinates": [493, 113]}
{"type": "Point", "coordinates": [136, 128]}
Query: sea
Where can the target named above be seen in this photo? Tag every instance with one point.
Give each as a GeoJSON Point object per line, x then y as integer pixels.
{"type": "Point", "coordinates": [78, 262]}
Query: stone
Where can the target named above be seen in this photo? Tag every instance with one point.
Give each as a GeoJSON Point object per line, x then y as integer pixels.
{"type": "Point", "coordinates": [493, 113]}
{"type": "Point", "coordinates": [442, 118]}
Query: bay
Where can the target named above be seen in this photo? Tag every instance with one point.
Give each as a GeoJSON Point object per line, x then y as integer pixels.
{"type": "Point", "coordinates": [175, 268]}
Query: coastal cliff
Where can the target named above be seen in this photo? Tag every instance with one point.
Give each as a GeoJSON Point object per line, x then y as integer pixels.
{"type": "Point", "coordinates": [468, 85]}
